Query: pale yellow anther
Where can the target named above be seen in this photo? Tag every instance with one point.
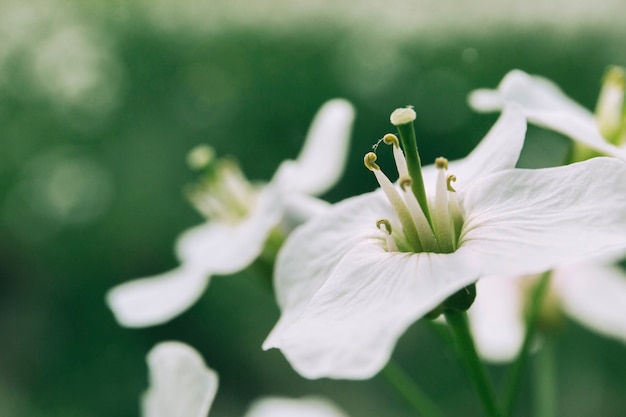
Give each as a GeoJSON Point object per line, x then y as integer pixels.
{"type": "Point", "coordinates": [402, 116]}
{"type": "Point", "coordinates": [391, 139]}
{"type": "Point", "coordinates": [384, 223]}
{"type": "Point", "coordinates": [370, 161]}
{"type": "Point", "coordinates": [405, 182]}
{"type": "Point", "coordinates": [616, 75]}
{"type": "Point", "coordinates": [200, 157]}
{"type": "Point", "coordinates": [449, 180]}
{"type": "Point", "coordinates": [441, 163]}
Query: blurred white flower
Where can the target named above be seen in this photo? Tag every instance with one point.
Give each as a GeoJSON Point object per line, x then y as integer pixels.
{"type": "Point", "coordinates": [241, 217]}
{"type": "Point", "coordinates": [546, 105]}
{"type": "Point", "coordinates": [348, 289]}
{"type": "Point", "coordinates": [181, 385]}
{"type": "Point", "coordinates": [592, 293]}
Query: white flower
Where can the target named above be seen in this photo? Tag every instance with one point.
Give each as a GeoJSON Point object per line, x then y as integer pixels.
{"type": "Point", "coordinates": [546, 105]}
{"type": "Point", "coordinates": [241, 216]}
{"type": "Point", "coordinates": [348, 288]}
{"type": "Point", "coordinates": [181, 385]}
{"type": "Point", "coordinates": [591, 293]}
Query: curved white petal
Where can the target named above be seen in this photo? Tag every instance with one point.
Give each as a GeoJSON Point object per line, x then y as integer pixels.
{"type": "Point", "coordinates": [497, 317]}
{"type": "Point", "coordinates": [577, 129]}
{"type": "Point", "coordinates": [345, 301]}
{"type": "Point", "coordinates": [528, 221]}
{"type": "Point", "coordinates": [288, 407]}
{"type": "Point", "coordinates": [180, 383]}
{"type": "Point", "coordinates": [545, 104]}
{"type": "Point", "coordinates": [531, 92]}
{"type": "Point", "coordinates": [595, 295]}
{"type": "Point", "coordinates": [221, 248]}
{"type": "Point", "coordinates": [155, 300]}
{"type": "Point", "coordinates": [322, 159]}
{"type": "Point", "coordinates": [498, 150]}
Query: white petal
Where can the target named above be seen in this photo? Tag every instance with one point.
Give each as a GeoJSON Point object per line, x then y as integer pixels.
{"type": "Point", "coordinates": [322, 159]}
{"type": "Point", "coordinates": [497, 317]}
{"type": "Point", "coordinates": [545, 104]}
{"type": "Point", "coordinates": [486, 100]}
{"type": "Point", "coordinates": [577, 129]}
{"type": "Point", "coordinates": [499, 150]}
{"type": "Point", "coordinates": [345, 301]}
{"type": "Point", "coordinates": [180, 383]}
{"type": "Point", "coordinates": [528, 221]}
{"type": "Point", "coordinates": [221, 248]}
{"type": "Point", "coordinates": [155, 300]}
{"type": "Point", "coordinates": [595, 295]}
{"type": "Point", "coordinates": [287, 407]}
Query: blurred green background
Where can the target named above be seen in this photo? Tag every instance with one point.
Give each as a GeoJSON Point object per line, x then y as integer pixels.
{"type": "Point", "coordinates": [101, 101]}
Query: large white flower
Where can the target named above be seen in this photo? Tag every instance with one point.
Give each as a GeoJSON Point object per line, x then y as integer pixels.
{"type": "Point", "coordinates": [350, 281]}
{"type": "Point", "coordinates": [181, 385]}
{"type": "Point", "coordinates": [545, 104]}
{"type": "Point", "coordinates": [240, 217]}
{"type": "Point", "coordinates": [593, 293]}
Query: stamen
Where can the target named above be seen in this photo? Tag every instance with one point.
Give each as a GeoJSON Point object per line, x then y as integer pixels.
{"type": "Point", "coordinates": [396, 201]}
{"type": "Point", "coordinates": [449, 180]}
{"type": "Point", "coordinates": [200, 157]}
{"type": "Point", "coordinates": [441, 215]}
{"type": "Point", "coordinates": [441, 163]}
{"type": "Point", "coordinates": [391, 139]}
{"type": "Point", "coordinates": [398, 155]}
{"type": "Point", "coordinates": [385, 226]}
{"type": "Point", "coordinates": [424, 231]}
{"type": "Point", "coordinates": [610, 105]}
{"type": "Point", "coordinates": [370, 161]}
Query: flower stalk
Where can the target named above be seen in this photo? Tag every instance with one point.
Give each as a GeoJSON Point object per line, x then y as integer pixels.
{"type": "Point", "coordinates": [467, 350]}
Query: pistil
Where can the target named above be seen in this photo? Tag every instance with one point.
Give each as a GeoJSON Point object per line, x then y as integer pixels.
{"type": "Point", "coordinates": [403, 119]}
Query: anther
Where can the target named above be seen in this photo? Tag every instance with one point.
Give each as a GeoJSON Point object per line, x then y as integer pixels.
{"type": "Point", "coordinates": [391, 139]}
{"type": "Point", "coordinates": [370, 161]}
{"type": "Point", "coordinates": [200, 157]}
{"type": "Point", "coordinates": [384, 223]}
{"type": "Point", "coordinates": [405, 182]}
{"type": "Point", "coordinates": [441, 163]}
{"type": "Point", "coordinates": [449, 180]}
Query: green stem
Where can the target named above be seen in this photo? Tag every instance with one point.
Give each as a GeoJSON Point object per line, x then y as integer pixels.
{"type": "Point", "coordinates": [459, 325]}
{"type": "Point", "coordinates": [411, 392]}
{"type": "Point", "coordinates": [544, 382]}
{"type": "Point", "coordinates": [414, 165]}
{"type": "Point", "coordinates": [514, 378]}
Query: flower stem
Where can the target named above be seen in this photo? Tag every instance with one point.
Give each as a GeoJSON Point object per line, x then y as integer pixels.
{"type": "Point", "coordinates": [514, 378]}
{"type": "Point", "coordinates": [544, 382]}
{"type": "Point", "coordinates": [459, 325]}
{"type": "Point", "coordinates": [411, 392]}
{"type": "Point", "coordinates": [414, 165]}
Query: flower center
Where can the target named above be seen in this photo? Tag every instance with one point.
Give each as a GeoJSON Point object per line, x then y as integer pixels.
{"type": "Point", "coordinates": [427, 225]}
{"type": "Point", "coordinates": [222, 192]}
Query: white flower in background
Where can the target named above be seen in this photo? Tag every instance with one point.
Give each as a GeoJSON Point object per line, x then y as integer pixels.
{"type": "Point", "coordinates": [546, 105]}
{"type": "Point", "coordinates": [351, 281]}
{"type": "Point", "coordinates": [240, 218]}
{"type": "Point", "coordinates": [181, 385]}
{"type": "Point", "coordinates": [593, 293]}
